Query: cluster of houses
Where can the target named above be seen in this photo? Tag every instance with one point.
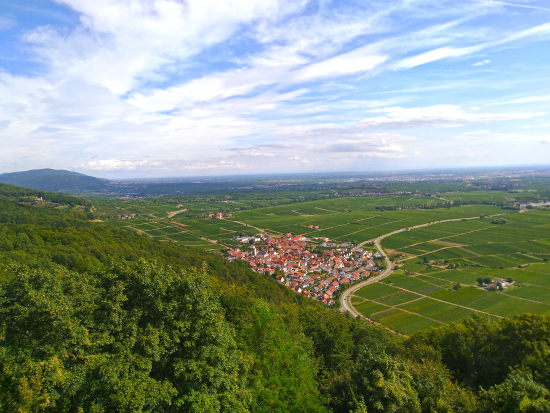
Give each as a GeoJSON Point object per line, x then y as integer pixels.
{"type": "Point", "coordinates": [532, 204]}
{"type": "Point", "coordinates": [251, 239]}
{"type": "Point", "coordinates": [313, 276]}
{"type": "Point", "coordinates": [124, 216]}
{"type": "Point", "coordinates": [327, 244]}
{"type": "Point", "coordinates": [219, 215]}
{"type": "Point", "coordinates": [498, 283]}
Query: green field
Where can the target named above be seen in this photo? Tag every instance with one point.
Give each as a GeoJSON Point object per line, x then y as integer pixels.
{"type": "Point", "coordinates": [340, 219]}
{"type": "Point", "coordinates": [448, 305]}
{"type": "Point", "coordinates": [446, 278]}
{"type": "Point", "coordinates": [200, 233]}
{"type": "Point", "coordinates": [441, 261]}
{"type": "Point", "coordinates": [353, 219]}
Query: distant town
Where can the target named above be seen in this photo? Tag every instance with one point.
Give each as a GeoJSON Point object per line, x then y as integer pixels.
{"type": "Point", "coordinates": [305, 272]}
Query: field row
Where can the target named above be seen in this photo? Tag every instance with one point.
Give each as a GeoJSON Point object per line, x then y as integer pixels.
{"type": "Point", "coordinates": [426, 296]}
{"type": "Point", "coordinates": [359, 224]}
{"type": "Point", "coordinates": [200, 233]}
{"type": "Point", "coordinates": [525, 238]}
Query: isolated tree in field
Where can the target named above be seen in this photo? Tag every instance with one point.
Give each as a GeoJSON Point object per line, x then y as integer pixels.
{"type": "Point", "coordinates": [480, 281]}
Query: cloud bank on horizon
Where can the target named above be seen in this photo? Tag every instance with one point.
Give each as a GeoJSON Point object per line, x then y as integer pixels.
{"type": "Point", "coordinates": [128, 88]}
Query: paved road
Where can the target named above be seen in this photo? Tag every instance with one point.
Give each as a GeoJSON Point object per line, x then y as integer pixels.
{"type": "Point", "coordinates": [345, 298]}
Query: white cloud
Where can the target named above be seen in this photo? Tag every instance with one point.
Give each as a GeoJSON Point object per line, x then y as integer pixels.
{"type": "Point", "coordinates": [529, 99]}
{"type": "Point", "coordinates": [359, 60]}
{"type": "Point", "coordinates": [450, 51]}
{"type": "Point", "coordinates": [435, 116]}
{"type": "Point", "coordinates": [315, 36]}
{"type": "Point", "coordinates": [110, 164]}
{"type": "Point", "coordinates": [120, 43]}
{"type": "Point", "coordinates": [525, 6]}
{"type": "Point", "coordinates": [6, 23]}
{"type": "Point", "coordinates": [203, 89]}
{"type": "Point", "coordinates": [156, 165]}
{"type": "Point", "coordinates": [186, 81]}
{"type": "Point", "coordinates": [482, 63]}
{"type": "Point", "coordinates": [436, 54]}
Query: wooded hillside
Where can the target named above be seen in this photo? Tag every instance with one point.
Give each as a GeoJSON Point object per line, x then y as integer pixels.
{"type": "Point", "coordinates": [101, 320]}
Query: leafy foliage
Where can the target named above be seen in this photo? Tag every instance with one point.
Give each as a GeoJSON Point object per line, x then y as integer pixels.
{"type": "Point", "coordinates": [98, 320]}
{"type": "Point", "coordinates": [383, 384]}
{"type": "Point", "coordinates": [10, 192]}
{"type": "Point", "coordinates": [479, 352]}
{"type": "Point", "coordinates": [518, 393]}
{"type": "Point", "coordinates": [126, 338]}
{"type": "Point", "coordinates": [41, 237]}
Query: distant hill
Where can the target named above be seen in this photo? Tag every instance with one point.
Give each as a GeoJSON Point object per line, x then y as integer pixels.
{"type": "Point", "coordinates": [54, 180]}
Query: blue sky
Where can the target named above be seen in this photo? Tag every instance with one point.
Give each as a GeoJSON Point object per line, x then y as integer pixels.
{"type": "Point", "coordinates": [144, 88]}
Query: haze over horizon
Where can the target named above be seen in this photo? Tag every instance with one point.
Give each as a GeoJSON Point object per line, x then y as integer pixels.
{"type": "Point", "coordinates": [144, 88]}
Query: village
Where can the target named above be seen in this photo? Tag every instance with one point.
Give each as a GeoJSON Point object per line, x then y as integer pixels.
{"type": "Point", "coordinates": [317, 276]}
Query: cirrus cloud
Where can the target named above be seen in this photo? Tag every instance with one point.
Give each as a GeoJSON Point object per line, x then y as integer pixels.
{"type": "Point", "coordinates": [435, 116]}
{"type": "Point", "coordinates": [259, 85]}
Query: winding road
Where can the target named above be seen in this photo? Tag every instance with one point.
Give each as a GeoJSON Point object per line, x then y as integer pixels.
{"type": "Point", "coordinates": [345, 298]}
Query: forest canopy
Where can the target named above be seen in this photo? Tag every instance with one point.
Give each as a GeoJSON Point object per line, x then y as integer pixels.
{"type": "Point", "coordinates": [94, 319]}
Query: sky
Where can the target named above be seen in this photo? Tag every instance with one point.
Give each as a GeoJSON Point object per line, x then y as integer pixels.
{"type": "Point", "coordinates": [166, 88]}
